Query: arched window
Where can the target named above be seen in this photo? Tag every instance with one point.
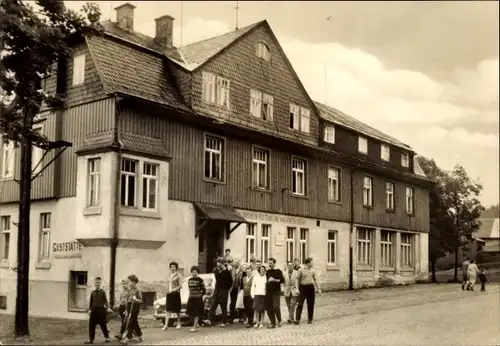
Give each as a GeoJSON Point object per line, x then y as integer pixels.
{"type": "Point", "coordinates": [263, 51]}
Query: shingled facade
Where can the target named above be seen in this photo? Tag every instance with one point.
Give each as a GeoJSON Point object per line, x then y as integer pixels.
{"type": "Point", "coordinates": [179, 153]}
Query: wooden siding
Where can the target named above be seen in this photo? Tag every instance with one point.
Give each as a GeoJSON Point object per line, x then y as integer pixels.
{"type": "Point", "coordinates": [240, 65]}
{"type": "Point", "coordinates": [185, 144]}
{"type": "Point", "coordinates": [72, 125]}
{"type": "Point", "coordinates": [346, 141]}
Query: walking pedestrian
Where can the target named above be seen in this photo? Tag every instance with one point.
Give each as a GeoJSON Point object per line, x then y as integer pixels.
{"type": "Point", "coordinates": [223, 282]}
{"type": "Point", "coordinates": [472, 272]}
{"type": "Point", "coordinates": [195, 307]}
{"type": "Point", "coordinates": [98, 307]}
{"type": "Point", "coordinates": [134, 302]}
{"type": "Point", "coordinates": [273, 293]}
{"type": "Point", "coordinates": [483, 279]}
{"type": "Point", "coordinates": [173, 305]}
{"type": "Point", "coordinates": [247, 297]}
{"type": "Point", "coordinates": [258, 294]}
{"type": "Point", "coordinates": [308, 287]}
{"type": "Point", "coordinates": [291, 290]}
{"type": "Point", "coordinates": [465, 267]}
{"type": "Point", "coordinates": [122, 308]}
{"type": "Point", "coordinates": [233, 292]}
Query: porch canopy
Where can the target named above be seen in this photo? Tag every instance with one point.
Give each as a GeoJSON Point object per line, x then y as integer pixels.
{"type": "Point", "coordinates": [210, 212]}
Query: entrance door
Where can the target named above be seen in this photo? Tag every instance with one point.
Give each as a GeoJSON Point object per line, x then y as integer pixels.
{"type": "Point", "coordinates": [210, 243]}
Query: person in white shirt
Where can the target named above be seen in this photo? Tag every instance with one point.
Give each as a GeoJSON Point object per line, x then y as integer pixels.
{"type": "Point", "coordinates": [258, 293]}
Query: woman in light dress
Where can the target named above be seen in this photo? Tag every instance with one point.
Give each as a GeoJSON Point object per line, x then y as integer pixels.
{"type": "Point", "coordinates": [472, 272]}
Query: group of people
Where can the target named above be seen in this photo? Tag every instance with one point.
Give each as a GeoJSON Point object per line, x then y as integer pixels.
{"type": "Point", "coordinates": [471, 272]}
{"type": "Point", "coordinates": [249, 290]}
{"type": "Point", "coordinates": [128, 307]}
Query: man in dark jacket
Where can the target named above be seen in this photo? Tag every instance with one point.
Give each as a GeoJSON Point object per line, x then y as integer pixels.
{"type": "Point", "coordinates": [273, 293]}
{"type": "Point", "coordinates": [223, 283]}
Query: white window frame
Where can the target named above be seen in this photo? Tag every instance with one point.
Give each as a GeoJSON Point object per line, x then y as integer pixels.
{"type": "Point", "coordinates": [213, 152]}
{"type": "Point", "coordinates": [390, 188]}
{"type": "Point", "coordinates": [94, 165]}
{"type": "Point", "coordinates": [299, 167]}
{"type": "Point", "coordinates": [407, 242]}
{"type": "Point", "coordinates": [255, 103]}
{"type": "Point", "coordinates": [362, 145]}
{"type": "Point", "coordinates": [294, 117]}
{"type": "Point", "coordinates": [290, 243]}
{"type": "Point", "coordinates": [208, 87]}
{"type": "Point", "coordinates": [37, 153]}
{"type": "Point", "coordinates": [250, 238]}
{"type": "Point", "coordinates": [385, 152]}
{"type": "Point", "coordinates": [303, 244]}
{"type": "Point", "coordinates": [260, 159]}
{"type": "Point", "coordinates": [150, 174]}
{"type": "Point", "coordinates": [405, 160]}
{"type": "Point", "coordinates": [410, 200]}
{"type": "Point", "coordinates": [367, 191]}
{"type": "Point", "coordinates": [267, 107]}
{"type": "Point", "coordinates": [6, 238]}
{"type": "Point", "coordinates": [128, 176]}
{"type": "Point", "coordinates": [305, 120]}
{"type": "Point", "coordinates": [265, 242]}
{"type": "Point", "coordinates": [222, 92]}
{"type": "Point", "coordinates": [44, 237]}
{"type": "Point", "coordinates": [74, 287]}
{"type": "Point", "coordinates": [329, 134]}
{"type": "Point", "coordinates": [8, 160]}
{"type": "Point", "coordinates": [331, 244]}
{"type": "Point", "coordinates": [79, 69]}
{"type": "Point", "coordinates": [387, 253]}
{"type": "Point", "coordinates": [334, 184]}
{"type": "Point", "coordinates": [263, 51]}
{"type": "Point", "coordinates": [364, 249]}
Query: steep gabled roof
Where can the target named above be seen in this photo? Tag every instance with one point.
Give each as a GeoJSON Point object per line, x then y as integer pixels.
{"type": "Point", "coordinates": [337, 117]}
{"type": "Point", "coordinates": [198, 53]}
{"type": "Point", "coordinates": [490, 228]}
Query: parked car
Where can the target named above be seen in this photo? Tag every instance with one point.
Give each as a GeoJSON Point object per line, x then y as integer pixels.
{"type": "Point", "coordinates": [160, 304]}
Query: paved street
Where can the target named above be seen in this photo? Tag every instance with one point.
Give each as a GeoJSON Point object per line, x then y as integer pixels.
{"type": "Point", "coordinates": [419, 314]}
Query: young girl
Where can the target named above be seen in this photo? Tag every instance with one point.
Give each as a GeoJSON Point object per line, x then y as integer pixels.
{"type": "Point", "coordinates": [195, 307]}
{"type": "Point", "coordinates": [174, 295]}
{"type": "Point", "coordinates": [258, 294]}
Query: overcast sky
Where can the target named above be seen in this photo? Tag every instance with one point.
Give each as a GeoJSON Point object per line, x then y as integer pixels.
{"type": "Point", "coordinates": [424, 72]}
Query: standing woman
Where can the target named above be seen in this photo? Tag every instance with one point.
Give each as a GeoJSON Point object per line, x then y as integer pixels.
{"type": "Point", "coordinates": [195, 306]}
{"type": "Point", "coordinates": [472, 272]}
{"type": "Point", "coordinates": [174, 295]}
{"type": "Point", "coordinates": [258, 293]}
{"type": "Point", "coordinates": [308, 287]}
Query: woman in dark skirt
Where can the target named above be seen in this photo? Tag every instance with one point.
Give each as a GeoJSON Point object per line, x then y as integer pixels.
{"type": "Point", "coordinates": [174, 295]}
{"type": "Point", "coordinates": [195, 306]}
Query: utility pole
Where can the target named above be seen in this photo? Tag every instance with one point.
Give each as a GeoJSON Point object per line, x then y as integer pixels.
{"type": "Point", "coordinates": [23, 240]}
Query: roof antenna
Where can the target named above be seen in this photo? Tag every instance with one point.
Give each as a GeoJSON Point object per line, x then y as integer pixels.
{"type": "Point", "coordinates": [182, 15]}
{"type": "Point", "coordinates": [237, 14]}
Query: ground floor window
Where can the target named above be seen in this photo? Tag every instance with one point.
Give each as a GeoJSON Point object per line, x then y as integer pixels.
{"type": "Point", "coordinates": [364, 246]}
{"type": "Point", "coordinates": [332, 247]}
{"type": "Point", "coordinates": [265, 243]}
{"type": "Point", "coordinates": [290, 244]}
{"type": "Point", "coordinates": [407, 246]}
{"type": "Point", "coordinates": [78, 290]}
{"type": "Point", "coordinates": [387, 248]}
{"type": "Point", "coordinates": [3, 302]}
{"type": "Point", "coordinates": [303, 244]}
{"type": "Point", "coordinates": [250, 242]}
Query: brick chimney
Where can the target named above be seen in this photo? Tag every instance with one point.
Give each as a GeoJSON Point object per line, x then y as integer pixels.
{"type": "Point", "coordinates": [125, 16]}
{"type": "Point", "coordinates": [164, 29]}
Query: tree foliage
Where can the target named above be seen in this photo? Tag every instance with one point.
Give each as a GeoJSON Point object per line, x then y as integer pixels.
{"type": "Point", "coordinates": [32, 40]}
{"type": "Point", "coordinates": [454, 208]}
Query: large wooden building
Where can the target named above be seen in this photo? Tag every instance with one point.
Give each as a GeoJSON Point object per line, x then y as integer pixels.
{"type": "Point", "coordinates": [179, 153]}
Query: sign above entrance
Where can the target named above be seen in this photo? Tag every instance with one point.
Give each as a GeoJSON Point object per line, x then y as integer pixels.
{"type": "Point", "coordinates": [289, 220]}
{"type": "Point", "coordinates": [67, 249]}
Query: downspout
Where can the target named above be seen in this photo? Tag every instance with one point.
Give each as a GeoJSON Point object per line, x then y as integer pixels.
{"type": "Point", "coordinates": [115, 220]}
{"type": "Point", "coordinates": [351, 251]}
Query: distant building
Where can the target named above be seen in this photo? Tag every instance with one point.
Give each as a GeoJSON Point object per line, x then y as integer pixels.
{"type": "Point", "coordinates": [180, 153]}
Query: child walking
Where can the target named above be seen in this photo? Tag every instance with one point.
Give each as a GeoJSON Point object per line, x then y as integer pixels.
{"type": "Point", "coordinates": [134, 302]}
{"type": "Point", "coordinates": [122, 309]}
{"type": "Point", "coordinates": [258, 294]}
{"type": "Point", "coordinates": [208, 299]}
{"type": "Point", "coordinates": [195, 307]}
{"type": "Point", "coordinates": [483, 279]}
{"type": "Point", "coordinates": [98, 308]}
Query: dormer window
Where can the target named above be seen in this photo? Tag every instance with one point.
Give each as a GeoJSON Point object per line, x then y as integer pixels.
{"type": "Point", "coordinates": [329, 134]}
{"type": "Point", "coordinates": [263, 51]}
{"type": "Point", "coordinates": [362, 145]}
{"type": "Point", "coordinates": [385, 152]}
{"type": "Point", "coordinates": [405, 160]}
